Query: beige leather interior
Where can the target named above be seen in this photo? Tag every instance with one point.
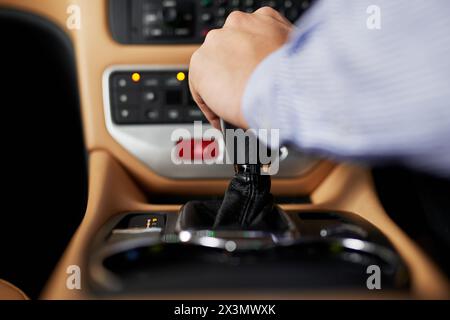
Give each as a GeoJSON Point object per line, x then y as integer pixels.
{"type": "Point", "coordinates": [118, 182]}
{"type": "Point", "coordinates": [348, 188]}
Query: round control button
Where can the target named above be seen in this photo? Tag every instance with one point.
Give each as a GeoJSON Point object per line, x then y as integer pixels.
{"type": "Point", "coordinates": [123, 98]}
{"type": "Point", "coordinates": [153, 114]}
{"type": "Point", "coordinates": [125, 113]}
{"type": "Point", "coordinates": [149, 96]}
{"type": "Point", "coordinates": [122, 83]}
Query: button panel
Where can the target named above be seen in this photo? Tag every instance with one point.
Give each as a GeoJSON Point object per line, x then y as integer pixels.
{"type": "Point", "coordinates": [152, 97]}
{"type": "Point", "coordinates": [184, 21]}
{"type": "Point", "coordinates": [143, 130]}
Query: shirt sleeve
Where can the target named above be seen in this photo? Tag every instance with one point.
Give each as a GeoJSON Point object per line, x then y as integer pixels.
{"type": "Point", "coordinates": [343, 90]}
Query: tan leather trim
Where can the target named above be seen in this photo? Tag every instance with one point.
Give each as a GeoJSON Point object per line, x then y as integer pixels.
{"type": "Point", "coordinates": [112, 191]}
{"type": "Point", "coordinates": [350, 188]}
{"type": "Point", "coordinates": [10, 292]}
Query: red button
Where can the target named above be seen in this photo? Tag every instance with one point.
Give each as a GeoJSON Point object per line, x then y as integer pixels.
{"type": "Point", "coordinates": [197, 149]}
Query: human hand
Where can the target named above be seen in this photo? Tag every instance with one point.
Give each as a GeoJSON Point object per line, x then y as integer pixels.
{"type": "Point", "coordinates": [220, 68]}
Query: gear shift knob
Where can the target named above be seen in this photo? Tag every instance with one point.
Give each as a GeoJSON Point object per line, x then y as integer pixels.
{"type": "Point", "coordinates": [242, 157]}
{"type": "Point", "coordinates": [225, 126]}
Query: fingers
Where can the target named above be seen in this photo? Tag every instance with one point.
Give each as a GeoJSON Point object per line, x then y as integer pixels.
{"type": "Point", "coordinates": [237, 19]}
{"type": "Point", "coordinates": [256, 22]}
{"type": "Point", "coordinates": [243, 32]}
{"type": "Point", "coordinates": [193, 81]}
{"type": "Point", "coordinates": [269, 12]}
{"type": "Point", "coordinates": [212, 118]}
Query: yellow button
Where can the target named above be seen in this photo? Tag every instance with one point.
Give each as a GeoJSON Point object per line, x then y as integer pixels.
{"type": "Point", "coordinates": [135, 77]}
{"type": "Point", "coordinates": [181, 76]}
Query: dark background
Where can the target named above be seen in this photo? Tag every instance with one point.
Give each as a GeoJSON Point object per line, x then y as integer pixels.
{"type": "Point", "coordinates": [43, 157]}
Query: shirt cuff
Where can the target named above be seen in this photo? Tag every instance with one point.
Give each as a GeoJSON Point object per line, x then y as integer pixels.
{"type": "Point", "coordinates": [258, 102]}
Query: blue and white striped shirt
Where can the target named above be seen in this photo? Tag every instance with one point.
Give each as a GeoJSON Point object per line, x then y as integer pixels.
{"type": "Point", "coordinates": [343, 90]}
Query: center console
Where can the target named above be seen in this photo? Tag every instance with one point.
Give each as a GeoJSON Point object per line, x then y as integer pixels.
{"type": "Point", "coordinates": [149, 252]}
{"type": "Point", "coordinates": [145, 104]}
{"type": "Point", "coordinates": [243, 241]}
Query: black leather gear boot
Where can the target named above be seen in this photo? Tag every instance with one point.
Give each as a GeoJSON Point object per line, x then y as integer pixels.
{"type": "Point", "coordinates": [247, 204]}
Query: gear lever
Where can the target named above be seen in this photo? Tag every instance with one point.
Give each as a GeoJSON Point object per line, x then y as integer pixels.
{"type": "Point", "coordinates": [248, 194]}
{"type": "Point", "coordinates": [247, 203]}
{"type": "Point", "coordinates": [245, 154]}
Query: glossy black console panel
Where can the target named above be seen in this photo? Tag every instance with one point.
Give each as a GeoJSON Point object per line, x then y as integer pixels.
{"type": "Point", "coordinates": [323, 251]}
{"type": "Point", "coordinates": [183, 21]}
{"type": "Point", "coordinates": [177, 267]}
{"type": "Point", "coordinates": [152, 97]}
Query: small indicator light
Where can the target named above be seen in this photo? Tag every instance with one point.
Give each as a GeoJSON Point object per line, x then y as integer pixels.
{"type": "Point", "coordinates": [181, 76]}
{"type": "Point", "coordinates": [136, 77]}
{"type": "Point", "coordinates": [185, 236]}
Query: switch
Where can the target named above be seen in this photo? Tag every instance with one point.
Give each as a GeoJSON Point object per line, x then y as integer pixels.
{"type": "Point", "coordinates": [126, 97]}
{"type": "Point", "coordinates": [197, 149]}
{"type": "Point", "coordinates": [150, 81]}
{"type": "Point", "coordinates": [305, 5]}
{"type": "Point", "coordinates": [182, 32]}
{"type": "Point", "coordinates": [174, 97]}
{"type": "Point", "coordinates": [206, 17]}
{"type": "Point", "coordinates": [150, 18]}
{"type": "Point", "coordinates": [172, 81]}
{"type": "Point", "coordinates": [125, 115]}
{"type": "Point", "coordinates": [221, 12]}
{"type": "Point", "coordinates": [122, 81]}
{"type": "Point", "coordinates": [174, 115]}
{"type": "Point", "coordinates": [152, 115]}
{"type": "Point", "coordinates": [288, 4]}
{"type": "Point", "coordinates": [170, 15]}
{"type": "Point", "coordinates": [146, 221]}
{"type": "Point", "coordinates": [140, 223]}
{"type": "Point", "coordinates": [152, 32]}
{"type": "Point", "coordinates": [178, 17]}
{"type": "Point", "coordinates": [194, 114]}
{"type": "Point", "coordinates": [123, 98]}
{"type": "Point", "coordinates": [184, 21]}
{"type": "Point", "coordinates": [149, 96]}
